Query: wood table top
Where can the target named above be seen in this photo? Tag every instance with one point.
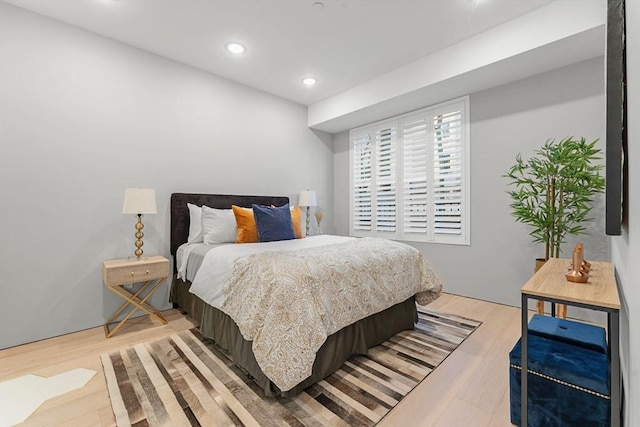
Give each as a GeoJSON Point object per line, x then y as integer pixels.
{"type": "Point", "coordinates": [550, 281]}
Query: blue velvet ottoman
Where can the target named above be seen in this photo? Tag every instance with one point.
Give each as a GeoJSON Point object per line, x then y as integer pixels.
{"type": "Point", "coordinates": [568, 382]}
{"type": "Point", "coordinates": [576, 333]}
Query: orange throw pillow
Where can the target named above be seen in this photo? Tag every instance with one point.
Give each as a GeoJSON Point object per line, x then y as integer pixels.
{"type": "Point", "coordinates": [296, 221]}
{"type": "Point", "coordinates": [246, 223]}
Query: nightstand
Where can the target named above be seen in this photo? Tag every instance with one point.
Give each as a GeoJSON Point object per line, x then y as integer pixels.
{"type": "Point", "coordinates": [118, 273]}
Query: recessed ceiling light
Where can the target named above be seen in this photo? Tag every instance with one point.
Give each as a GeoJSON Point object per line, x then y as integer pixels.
{"type": "Point", "coordinates": [309, 81]}
{"type": "Point", "coordinates": [235, 47]}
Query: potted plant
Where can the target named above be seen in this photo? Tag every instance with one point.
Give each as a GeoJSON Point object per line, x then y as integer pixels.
{"type": "Point", "coordinates": [554, 190]}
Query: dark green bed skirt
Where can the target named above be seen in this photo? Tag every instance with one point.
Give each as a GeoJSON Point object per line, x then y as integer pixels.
{"type": "Point", "coordinates": [353, 339]}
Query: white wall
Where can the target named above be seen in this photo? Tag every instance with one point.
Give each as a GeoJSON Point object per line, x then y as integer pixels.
{"type": "Point", "coordinates": [625, 250]}
{"type": "Point", "coordinates": [83, 117]}
{"type": "Point", "coordinates": [506, 120]}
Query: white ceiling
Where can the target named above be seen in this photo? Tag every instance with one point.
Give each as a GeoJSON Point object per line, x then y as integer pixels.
{"type": "Point", "coordinates": [343, 44]}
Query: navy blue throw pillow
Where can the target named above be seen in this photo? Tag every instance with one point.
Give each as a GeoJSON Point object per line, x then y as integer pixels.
{"type": "Point", "coordinates": [273, 223]}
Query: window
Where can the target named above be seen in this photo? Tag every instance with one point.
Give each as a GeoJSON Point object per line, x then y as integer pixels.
{"type": "Point", "coordinates": [410, 176]}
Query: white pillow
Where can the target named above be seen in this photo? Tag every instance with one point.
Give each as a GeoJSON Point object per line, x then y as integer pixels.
{"type": "Point", "coordinates": [195, 224]}
{"type": "Point", "coordinates": [218, 225]}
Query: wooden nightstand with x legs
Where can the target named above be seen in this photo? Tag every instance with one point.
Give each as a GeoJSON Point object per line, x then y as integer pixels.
{"type": "Point", "coordinates": [118, 273]}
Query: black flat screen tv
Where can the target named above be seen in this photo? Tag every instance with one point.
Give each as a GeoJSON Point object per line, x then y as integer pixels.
{"type": "Point", "coordinates": [616, 165]}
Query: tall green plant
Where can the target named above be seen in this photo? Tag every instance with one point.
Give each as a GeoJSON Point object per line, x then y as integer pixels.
{"type": "Point", "coordinates": [554, 190]}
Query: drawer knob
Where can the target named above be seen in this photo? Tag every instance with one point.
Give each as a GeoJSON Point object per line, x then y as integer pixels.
{"type": "Point", "coordinates": [147, 271]}
{"type": "Point", "coordinates": [132, 273]}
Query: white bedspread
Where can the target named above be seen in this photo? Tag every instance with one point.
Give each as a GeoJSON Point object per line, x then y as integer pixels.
{"type": "Point", "coordinates": [219, 261]}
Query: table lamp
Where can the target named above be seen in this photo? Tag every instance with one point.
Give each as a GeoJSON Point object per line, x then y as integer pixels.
{"type": "Point", "coordinates": [307, 199]}
{"type": "Point", "coordinates": [139, 201]}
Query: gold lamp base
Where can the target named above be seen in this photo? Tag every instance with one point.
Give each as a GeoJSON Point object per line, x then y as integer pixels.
{"type": "Point", "coordinates": [139, 235]}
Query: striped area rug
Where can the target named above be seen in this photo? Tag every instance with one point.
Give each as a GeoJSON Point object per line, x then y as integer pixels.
{"type": "Point", "coordinates": [183, 380]}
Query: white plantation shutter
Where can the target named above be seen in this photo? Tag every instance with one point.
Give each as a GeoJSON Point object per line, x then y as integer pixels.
{"type": "Point", "coordinates": [362, 179]}
{"type": "Point", "coordinates": [385, 180]}
{"type": "Point", "coordinates": [447, 172]}
{"type": "Point", "coordinates": [415, 160]}
{"type": "Point", "coordinates": [409, 178]}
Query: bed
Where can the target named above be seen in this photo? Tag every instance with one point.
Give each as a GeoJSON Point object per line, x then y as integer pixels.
{"type": "Point", "coordinates": [218, 326]}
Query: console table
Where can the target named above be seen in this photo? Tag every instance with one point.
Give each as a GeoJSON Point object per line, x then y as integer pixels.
{"type": "Point", "coordinates": [599, 293]}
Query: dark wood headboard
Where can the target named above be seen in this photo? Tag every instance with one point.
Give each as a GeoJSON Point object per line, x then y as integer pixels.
{"type": "Point", "coordinates": [180, 212]}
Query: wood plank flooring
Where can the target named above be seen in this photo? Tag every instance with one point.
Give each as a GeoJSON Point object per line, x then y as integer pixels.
{"type": "Point", "coordinates": [470, 388]}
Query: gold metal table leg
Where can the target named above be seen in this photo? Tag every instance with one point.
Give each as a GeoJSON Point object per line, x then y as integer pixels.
{"type": "Point", "coordinates": [135, 300]}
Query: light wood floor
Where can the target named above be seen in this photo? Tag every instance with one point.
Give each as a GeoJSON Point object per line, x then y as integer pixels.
{"type": "Point", "coordinates": [470, 388]}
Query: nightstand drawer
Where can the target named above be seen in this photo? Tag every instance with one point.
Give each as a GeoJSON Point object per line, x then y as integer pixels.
{"type": "Point", "coordinates": [131, 271]}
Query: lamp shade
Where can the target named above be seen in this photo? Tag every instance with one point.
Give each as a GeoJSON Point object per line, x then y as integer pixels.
{"type": "Point", "coordinates": [139, 201]}
{"type": "Point", "coordinates": [307, 198]}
